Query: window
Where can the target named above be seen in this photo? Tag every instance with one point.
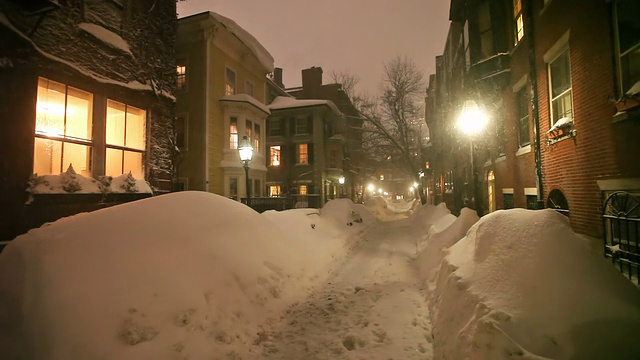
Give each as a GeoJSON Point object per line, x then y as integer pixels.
{"type": "Point", "coordinates": [248, 131]}
{"type": "Point", "coordinates": [333, 158]}
{"type": "Point", "coordinates": [125, 138]}
{"type": "Point", "coordinates": [523, 118]}
{"type": "Point", "coordinates": [257, 189]}
{"type": "Point", "coordinates": [275, 127]}
{"type": "Point", "coordinates": [181, 79]}
{"type": "Point", "coordinates": [303, 153]}
{"type": "Point", "coordinates": [230, 82]}
{"type": "Point", "coordinates": [256, 138]}
{"type": "Point", "coordinates": [518, 22]}
{"type": "Point", "coordinates": [532, 202]}
{"type": "Point", "coordinates": [249, 89]}
{"type": "Point", "coordinates": [274, 190]}
{"type": "Point", "coordinates": [508, 201]}
{"type": "Point", "coordinates": [274, 155]}
{"type": "Point", "coordinates": [233, 133]}
{"type": "Point", "coordinates": [558, 202]}
{"type": "Point", "coordinates": [233, 188]}
{"type": "Point", "coordinates": [302, 189]}
{"type": "Point", "coordinates": [560, 87]}
{"type": "Point", "coordinates": [627, 13]}
{"type": "Point", "coordinates": [485, 30]}
{"type": "Point", "coordinates": [63, 129]}
{"type": "Point", "coordinates": [302, 126]}
{"type": "Point", "coordinates": [180, 128]}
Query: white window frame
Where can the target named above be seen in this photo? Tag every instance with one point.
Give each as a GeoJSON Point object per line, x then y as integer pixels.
{"type": "Point", "coordinates": [549, 57]}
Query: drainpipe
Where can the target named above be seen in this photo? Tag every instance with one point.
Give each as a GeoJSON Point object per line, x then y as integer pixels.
{"type": "Point", "coordinates": [527, 13]}
{"type": "Point", "coordinates": [208, 36]}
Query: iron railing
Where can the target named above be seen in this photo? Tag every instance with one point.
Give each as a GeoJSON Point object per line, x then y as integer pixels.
{"type": "Point", "coordinates": [621, 224]}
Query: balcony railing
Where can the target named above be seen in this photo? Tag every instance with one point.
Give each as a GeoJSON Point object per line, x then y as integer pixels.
{"type": "Point", "coordinates": [496, 65]}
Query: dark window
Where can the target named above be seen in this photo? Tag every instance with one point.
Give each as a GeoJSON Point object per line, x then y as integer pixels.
{"type": "Point", "coordinates": [275, 127]}
{"type": "Point", "coordinates": [523, 118]}
{"type": "Point", "coordinates": [558, 202]}
{"type": "Point", "coordinates": [532, 201]}
{"type": "Point", "coordinates": [628, 26]}
{"type": "Point", "coordinates": [485, 30]}
{"type": "Point", "coordinates": [508, 201]}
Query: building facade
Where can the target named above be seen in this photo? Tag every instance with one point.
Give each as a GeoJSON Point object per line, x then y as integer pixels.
{"type": "Point", "coordinates": [306, 148]}
{"type": "Point", "coordinates": [85, 85]}
{"type": "Point", "coordinates": [221, 95]}
{"type": "Point", "coordinates": [557, 80]}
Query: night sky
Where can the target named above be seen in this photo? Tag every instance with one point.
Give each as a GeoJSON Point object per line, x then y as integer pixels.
{"type": "Point", "coordinates": [352, 36]}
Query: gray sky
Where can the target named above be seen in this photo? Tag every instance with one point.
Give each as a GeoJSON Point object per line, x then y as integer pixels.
{"type": "Point", "coordinates": [353, 36]}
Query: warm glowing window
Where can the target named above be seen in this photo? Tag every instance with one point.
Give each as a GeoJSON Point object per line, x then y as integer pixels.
{"type": "Point", "coordinates": [248, 131]}
{"type": "Point", "coordinates": [256, 138]}
{"type": "Point", "coordinates": [230, 82]}
{"type": "Point", "coordinates": [303, 153]}
{"type": "Point", "coordinates": [274, 155]}
{"type": "Point", "coordinates": [125, 138]}
{"type": "Point", "coordinates": [181, 79]}
{"type": "Point", "coordinates": [302, 189]}
{"type": "Point", "coordinates": [560, 81]}
{"type": "Point", "coordinates": [518, 21]}
{"type": "Point", "coordinates": [274, 190]}
{"type": "Point", "coordinates": [63, 129]}
{"type": "Point", "coordinates": [233, 133]}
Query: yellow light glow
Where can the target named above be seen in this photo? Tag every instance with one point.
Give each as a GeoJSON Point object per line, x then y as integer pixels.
{"type": "Point", "coordinates": [472, 120]}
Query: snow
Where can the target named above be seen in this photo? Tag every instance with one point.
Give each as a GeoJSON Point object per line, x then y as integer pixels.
{"type": "Point", "coordinates": [199, 276]}
{"type": "Point", "coordinates": [248, 99]}
{"type": "Point", "coordinates": [263, 56]}
{"type": "Point", "coordinates": [560, 123]}
{"type": "Point", "coordinates": [71, 182]}
{"type": "Point", "coordinates": [635, 89]}
{"type": "Point", "coordinates": [284, 102]}
{"type": "Point", "coordinates": [108, 37]}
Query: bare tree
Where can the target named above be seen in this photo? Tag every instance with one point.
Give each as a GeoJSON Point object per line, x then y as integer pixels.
{"type": "Point", "coordinates": [391, 129]}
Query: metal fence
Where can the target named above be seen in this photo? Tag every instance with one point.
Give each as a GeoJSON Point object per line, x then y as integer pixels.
{"type": "Point", "coordinates": [621, 224]}
{"type": "Point", "coordinates": [262, 204]}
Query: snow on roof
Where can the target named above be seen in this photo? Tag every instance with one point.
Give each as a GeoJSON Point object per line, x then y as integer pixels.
{"type": "Point", "coordinates": [248, 99]}
{"type": "Point", "coordinates": [263, 56]}
{"type": "Point", "coordinates": [283, 102]}
{"type": "Point", "coordinates": [108, 37]}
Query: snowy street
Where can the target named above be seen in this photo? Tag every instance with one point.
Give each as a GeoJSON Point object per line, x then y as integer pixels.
{"type": "Point", "coordinates": [373, 306]}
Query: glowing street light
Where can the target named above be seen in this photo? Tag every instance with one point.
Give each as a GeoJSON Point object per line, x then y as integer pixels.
{"type": "Point", "coordinates": [471, 122]}
{"type": "Point", "coordinates": [370, 187]}
{"type": "Point", "coordinates": [246, 153]}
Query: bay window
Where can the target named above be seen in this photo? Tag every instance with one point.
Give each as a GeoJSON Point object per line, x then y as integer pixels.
{"type": "Point", "coordinates": [233, 133]}
{"type": "Point", "coordinates": [125, 139]}
{"type": "Point", "coordinates": [63, 129]}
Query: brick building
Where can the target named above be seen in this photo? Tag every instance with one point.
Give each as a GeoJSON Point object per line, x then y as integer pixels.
{"type": "Point", "coordinates": [88, 84]}
{"type": "Point", "coordinates": [555, 78]}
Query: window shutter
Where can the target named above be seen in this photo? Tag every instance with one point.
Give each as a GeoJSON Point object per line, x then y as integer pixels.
{"type": "Point", "coordinates": [310, 151]}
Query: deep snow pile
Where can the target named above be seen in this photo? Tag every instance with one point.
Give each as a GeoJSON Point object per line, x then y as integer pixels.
{"type": "Point", "coordinates": [184, 275]}
{"type": "Point", "coordinates": [521, 284]}
{"type": "Point", "coordinates": [390, 210]}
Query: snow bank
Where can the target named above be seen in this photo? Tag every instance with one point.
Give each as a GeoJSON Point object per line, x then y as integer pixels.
{"type": "Point", "coordinates": [71, 182]}
{"type": "Point", "coordinates": [522, 284]}
{"type": "Point", "coordinates": [183, 275]}
{"type": "Point", "coordinates": [388, 210]}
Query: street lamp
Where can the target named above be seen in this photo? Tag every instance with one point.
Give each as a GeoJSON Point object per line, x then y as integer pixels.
{"type": "Point", "coordinates": [471, 122]}
{"type": "Point", "coordinates": [246, 153]}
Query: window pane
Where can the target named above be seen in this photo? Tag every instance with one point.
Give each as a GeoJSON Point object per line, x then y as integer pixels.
{"type": "Point", "coordinates": [79, 111]}
{"type": "Point", "coordinates": [233, 187]}
{"type": "Point", "coordinates": [181, 79]}
{"type": "Point", "coordinates": [115, 123]}
{"type": "Point", "coordinates": [230, 82]}
{"type": "Point", "coordinates": [78, 156]}
{"type": "Point", "coordinates": [50, 108]}
{"type": "Point", "coordinates": [113, 164]}
{"type": "Point", "coordinates": [233, 133]}
{"type": "Point", "coordinates": [133, 164]}
{"type": "Point", "coordinates": [135, 128]}
{"type": "Point", "coordinates": [302, 190]}
{"type": "Point", "coordinates": [47, 157]}
{"type": "Point", "coordinates": [274, 155]}
{"type": "Point", "coordinates": [562, 107]}
{"type": "Point", "coordinates": [303, 157]}
{"type": "Point", "coordinates": [630, 69]}
{"type": "Point", "coordinates": [248, 130]}
{"type": "Point", "coordinates": [560, 74]}
{"type": "Point", "coordinates": [256, 138]}
{"type": "Point", "coordinates": [628, 14]}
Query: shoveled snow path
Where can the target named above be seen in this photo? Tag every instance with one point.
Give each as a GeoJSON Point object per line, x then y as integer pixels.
{"type": "Point", "coordinates": [373, 307]}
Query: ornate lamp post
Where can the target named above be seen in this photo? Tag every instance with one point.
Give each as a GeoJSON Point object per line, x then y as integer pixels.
{"type": "Point", "coordinates": [341, 182]}
{"type": "Point", "coordinates": [246, 153]}
{"type": "Point", "coordinates": [471, 122]}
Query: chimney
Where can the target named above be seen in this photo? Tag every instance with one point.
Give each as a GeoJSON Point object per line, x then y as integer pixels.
{"type": "Point", "coordinates": [311, 79]}
{"type": "Point", "coordinates": [277, 77]}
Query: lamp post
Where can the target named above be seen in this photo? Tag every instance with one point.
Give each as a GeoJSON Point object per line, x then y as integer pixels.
{"type": "Point", "coordinates": [471, 122]}
{"type": "Point", "coordinates": [341, 182]}
{"type": "Point", "coordinates": [246, 153]}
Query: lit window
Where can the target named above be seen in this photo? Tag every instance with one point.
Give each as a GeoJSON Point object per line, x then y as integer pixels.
{"type": "Point", "coordinates": [560, 81]}
{"type": "Point", "coordinates": [302, 189]}
{"type": "Point", "coordinates": [181, 79]}
{"type": "Point", "coordinates": [256, 138]}
{"type": "Point", "coordinates": [230, 82]}
{"type": "Point", "coordinates": [523, 118]}
{"type": "Point", "coordinates": [233, 133]}
{"type": "Point", "coordinates": [63, 129]}
{"type": "Point", "coordinates": [627, 14]}
{"type": "Point", "coordinates": [303, 153]}
{"type": "Point", "coordinates": [249, 88]}
{"type": "Point", "coordinates": [125, 130]}
{"type": "Point", "coordinates": [274, 190]}
{"type": "Point", "coordinates": [274, 155]}
{"type": "Point", "coordinates": [248, 131]}
{"type": "Point", "coordinates": [518, 21]}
